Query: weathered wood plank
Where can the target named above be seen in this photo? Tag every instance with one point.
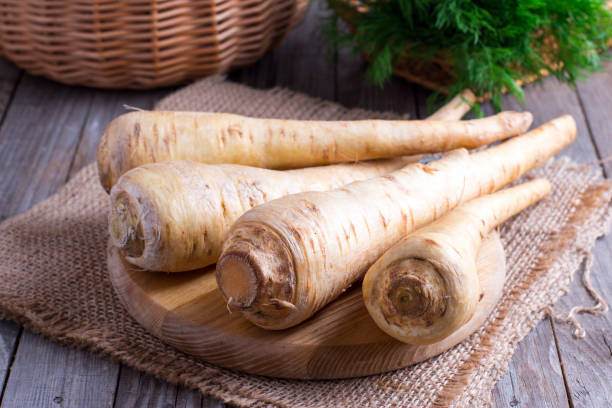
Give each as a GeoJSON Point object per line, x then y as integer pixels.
{"type": "Point", "coordinates": [553, 99]}
{"type": "Point", "coordinates": [105, 106]}
{"type": "Point", "coordinates": [9, 77]}
{"type": "Point", "coordinates": [9, 332]}
{"type": "Point", "coordinates": [596, 99]}
{"type": "Point", "coordinates": [9, 335]}
{"type": "Point", "coordinates": [38, 140]}
{"type": "Point", "coordinates": [588, 361]}
{"type": "Point", "coordinates": [536, 361]}
{"type": "Point", "coordinates": [186, 398]}
{"type": "Point", "coordinates": [546, 102]}
{"type": "Point", "coordinates": [50, 375]}
{"type": "Point", "coordinates": [140, 389]}
{"type": "Point", "coordinates": [29, 148]}
{"type": "Point", "coordinates": [209, 402]}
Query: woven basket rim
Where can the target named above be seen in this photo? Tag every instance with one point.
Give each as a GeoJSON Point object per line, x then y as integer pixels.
{"type": "Point", "coordinates": [141, 44]}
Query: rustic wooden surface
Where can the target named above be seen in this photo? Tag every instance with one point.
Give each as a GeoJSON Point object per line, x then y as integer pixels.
{"type": "Point", "coordinates": [49, 131]}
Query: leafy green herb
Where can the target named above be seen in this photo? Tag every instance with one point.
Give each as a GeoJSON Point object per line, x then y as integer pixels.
{"type": "Point", "coordinates": [482, 45]}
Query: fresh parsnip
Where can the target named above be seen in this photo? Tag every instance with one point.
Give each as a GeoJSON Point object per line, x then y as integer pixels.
{"type": "Point", "coordinates": [426, 286]}
{"type": "Point", "coordinates": [173, 216]}
{"type": "Point", "coordinates": [141, 137]}
{"type": "Point", "coordinates": [285, 259]}
{"type": "Point", "coordinates": [456, 107]}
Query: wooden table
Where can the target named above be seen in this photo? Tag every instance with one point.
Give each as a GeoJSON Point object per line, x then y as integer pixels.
{"type": "Point", "coordinates": [49, 131]}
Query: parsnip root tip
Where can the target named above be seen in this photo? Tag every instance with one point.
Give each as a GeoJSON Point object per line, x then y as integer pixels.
{"type": "Point", "coordinates": [426, 286]}
{"type": "Point", "coordinates": [227, 305]}
{"type": "Point", "coordinates": [133, 108]}
{"type": "Point", "coordinates": [527, 121]}
{"type": "Point", "coordinates": [283, 304]}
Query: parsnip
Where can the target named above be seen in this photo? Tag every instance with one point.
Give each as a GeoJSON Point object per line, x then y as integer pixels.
{"type": "Point", "coordinates": [162, 218]}
{"type": "Point", "coordinates": [138, 138]}
{"type": "Point", "coordinates": [426, 286]}
{"type": "Point", "coordinates": [456, 107]}
{"type": "Point", "coordinates": [173, 216]}
{"type": "Point", "coordinates": [285, 259]}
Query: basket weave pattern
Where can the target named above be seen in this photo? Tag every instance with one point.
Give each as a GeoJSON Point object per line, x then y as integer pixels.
{"type": "Point", "coordinates": [141, 43]}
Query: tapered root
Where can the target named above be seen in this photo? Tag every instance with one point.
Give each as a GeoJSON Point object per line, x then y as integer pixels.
{"type": "Point", "coordinates": [426, 286]}
{"type": "Point", "coordinates": [424, 293]}
{"type": "Point", "coordinates": [456, 108]}
{"type": "Point", "coordinates": [137, 138]}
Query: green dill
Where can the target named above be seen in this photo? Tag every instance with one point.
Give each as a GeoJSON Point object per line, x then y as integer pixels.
{"type": "Point", "coordinates": [482, 45]}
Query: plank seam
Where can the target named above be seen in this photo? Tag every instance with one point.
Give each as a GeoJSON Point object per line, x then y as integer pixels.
{"type": "Point", "coordinates": [116, 392]}
{"type": "Point", "coordinates": [176, 395]}
{"type": "Point", "coordinates": [564, 374]}
{"type": "Point", "coordinates": [11, 362]}
{"type": "Point", "coordinates": [590, 131]}
{"type": "Point", "coordinates": [605, 339]}
{"type": "Point", "coordinates": [77, 144]}
{"type": "Point", "coordinates": [9, 102]}
{"type": "Point", "coordinates": [13, 353]}
{"type": "Point", "coordinates": [513, 385]}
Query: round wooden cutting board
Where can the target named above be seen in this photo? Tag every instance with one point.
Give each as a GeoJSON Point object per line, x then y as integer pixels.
{"type": "Point", "coordinates": [187, 311]}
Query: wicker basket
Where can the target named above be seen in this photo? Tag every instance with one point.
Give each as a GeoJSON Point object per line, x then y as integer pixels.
{"type": "Point", "coordinates": [141, 43]}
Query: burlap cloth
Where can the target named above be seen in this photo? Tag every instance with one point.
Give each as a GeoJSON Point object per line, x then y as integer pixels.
{"type": "Point", "coordinates": [53, 280]}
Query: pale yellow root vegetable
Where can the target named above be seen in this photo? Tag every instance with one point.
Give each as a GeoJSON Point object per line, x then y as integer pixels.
{"type": "Point", "coordinates": [426, 286]}
{"type": "Point", "coordinates": [138, 138]}
{"type": "Point", "coordinates": [162, 219]}
{"type": "Point", "coordinates": [173, 216]}
{"type": "Point", "coordinates": [285, 259]}
{"type": "Point", "coordinates": [456, 107]}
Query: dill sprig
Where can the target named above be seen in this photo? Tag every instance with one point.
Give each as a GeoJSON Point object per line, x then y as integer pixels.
{"type": "Point", "coordinates": [483, 45]}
